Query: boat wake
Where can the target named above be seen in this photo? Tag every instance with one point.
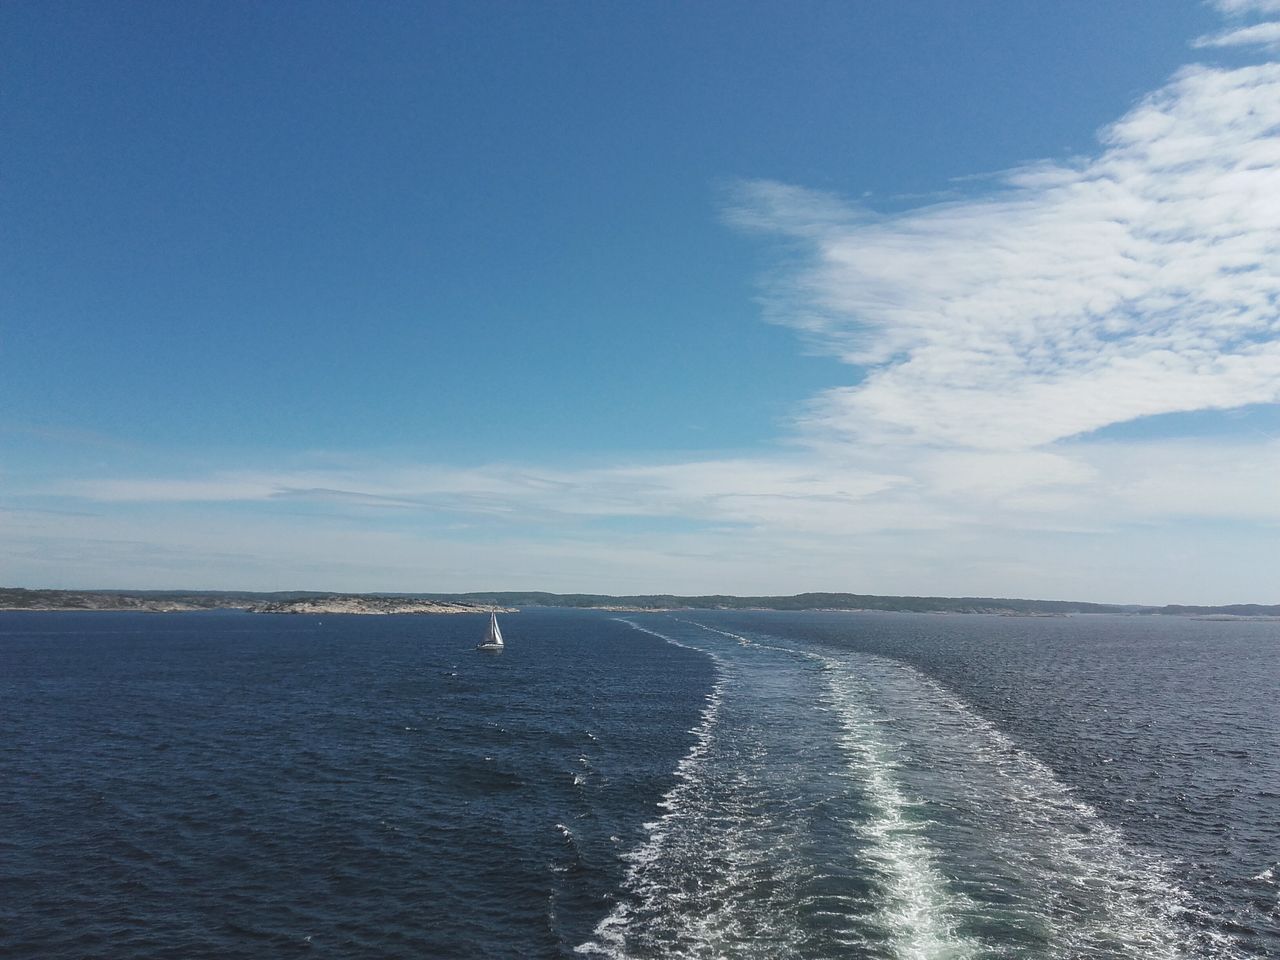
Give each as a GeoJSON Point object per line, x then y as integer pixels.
{"type": "Point", "coordinates": [837, 804]}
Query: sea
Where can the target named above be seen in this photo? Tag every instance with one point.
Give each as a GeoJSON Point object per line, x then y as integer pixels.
{"type": "Point", "coordinates": [702, 784]}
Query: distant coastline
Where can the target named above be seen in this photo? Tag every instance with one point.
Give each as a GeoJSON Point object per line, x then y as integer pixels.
{"type": "Point", "coordinates": [371, 605]}
{"type": "Point", "coordinates": [311, 602]}
{"type": "Point", "coordinates": [157, 601]}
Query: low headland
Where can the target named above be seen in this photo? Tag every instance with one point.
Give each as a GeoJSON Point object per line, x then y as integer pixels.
{"type": "Point", "coordinates": [310, 602]}
{"type": "Point", "coordinates": [167, 601]}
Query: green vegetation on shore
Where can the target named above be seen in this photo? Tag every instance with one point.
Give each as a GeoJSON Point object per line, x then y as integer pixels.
{"type": "Point", "coordinates": [16, 598]}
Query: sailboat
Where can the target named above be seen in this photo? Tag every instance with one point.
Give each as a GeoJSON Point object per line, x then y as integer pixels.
{"type": "Point", "coordinates": [492, 639]}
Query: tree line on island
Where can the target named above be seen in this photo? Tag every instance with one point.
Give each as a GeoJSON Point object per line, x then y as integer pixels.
{"type": "Point", "coordinates": [304, 601]}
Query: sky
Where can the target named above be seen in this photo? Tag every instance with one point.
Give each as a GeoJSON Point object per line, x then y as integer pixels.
{"type": "Point", "coordinates": [923, 297]}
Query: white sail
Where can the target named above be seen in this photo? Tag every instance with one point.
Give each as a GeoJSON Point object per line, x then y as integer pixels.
{"type": "Point", "coordinates": [492, 638]}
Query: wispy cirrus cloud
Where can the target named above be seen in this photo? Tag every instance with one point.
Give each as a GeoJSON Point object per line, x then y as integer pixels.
{"type": "Point", "coordinates": [1142, 281]}
{"type": "Point", "coordinates": [1242, 7]}
{"type": "Point", "coordinates": [823, 492]}
{"type": "Point", "coordinates": [737, 490]}
{"type": "Point", "coordinates": [1259, 34]}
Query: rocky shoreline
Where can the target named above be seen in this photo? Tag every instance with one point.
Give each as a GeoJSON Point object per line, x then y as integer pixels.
{"type": "Point", "coordinates": [14, 598]}
{"type": "Point", "coordinates": [48, 601]}
{"type": "Point", "coordinates": [371, 606]}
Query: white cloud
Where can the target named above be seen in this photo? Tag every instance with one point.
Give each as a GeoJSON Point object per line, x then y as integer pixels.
{"type": "Point", "coordinates": [1259, 34]}
{"type": "Point", "coordinates": [1145, 280]}
{"type": "Point", "coordinates": [832, 493]}
{"type": "Point", "coordinates": [1241, 7]}
{"type": "Point", "coordinates": [741, 491]}
{"type": "Point", "coordinates": [1083, 520]}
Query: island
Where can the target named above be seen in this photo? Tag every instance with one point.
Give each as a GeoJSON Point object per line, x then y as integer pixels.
{"type": "Point", "coordinates": [315, 602]}
{"type": "Point", "coordinates": [363, 604]}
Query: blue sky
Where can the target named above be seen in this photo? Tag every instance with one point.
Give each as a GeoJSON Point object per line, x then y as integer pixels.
{"type": "Point", "coordinates": [751, 297]}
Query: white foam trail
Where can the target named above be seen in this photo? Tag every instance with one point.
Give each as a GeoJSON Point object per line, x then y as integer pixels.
{"type": "Point", "coordinates": [719, 873]}
{"type": "Point", "coordinates": [744, 641]}
{"type": "Point", "coordinates": [1136, 907]}
{"type": "Point", "coordinates": [1073, 881]}
{"type": "Point", "coordinates": [611, 933]}
{"type": "Point", "coordinates": [918, 912]}
{"type": "Point", "coordinates": [996, 859]}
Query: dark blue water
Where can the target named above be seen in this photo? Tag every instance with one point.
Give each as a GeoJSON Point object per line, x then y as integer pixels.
{"type": "Point", "coordinates": [710, 785]}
